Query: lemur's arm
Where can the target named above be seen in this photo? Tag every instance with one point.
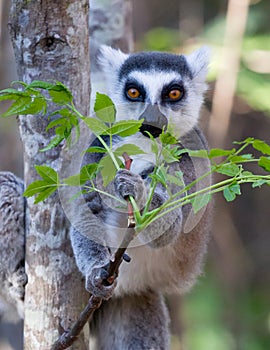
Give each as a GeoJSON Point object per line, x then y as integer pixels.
{"type": "Point", "coordinates": [12, 242]}
{"type": "Point", "coordinates": [91, 257]}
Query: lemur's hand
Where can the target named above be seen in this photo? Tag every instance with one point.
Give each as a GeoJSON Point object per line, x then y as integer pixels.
{"type": "Point", "coordinates": [128, 184]}
{"type": "Point", "coordinates": [96, 283]}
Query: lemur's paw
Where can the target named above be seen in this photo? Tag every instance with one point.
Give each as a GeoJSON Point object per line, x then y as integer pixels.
{"type": "Point", "coordinates": [128, 184]}
{"type": "Point", "coordinates": [17, 282]}
{"type": "Point", "coordinates": [96, 283]}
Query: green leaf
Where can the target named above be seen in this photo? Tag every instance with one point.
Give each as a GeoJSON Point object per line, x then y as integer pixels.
{"type": "Point", "coordinates": [18, 107]}
{"type": "Point", "coordinates": [248, 140]}
{"type": "Point", "coordinates": [235, 188]}
{"type": "Point", "coordinates": [231, 191]}
{"type": "Point", "coordinates": [96, 149]}
{"type": "Point", "coordinates": [47, 173]}
{"type": "Point", "coordinates": [12, 92]}
{"type": "Point", "coordinates": [246, 173]}
{"type": "Point", "coordinates": [56, 122]}
{"type": "Point", "coordinates": [54, 142]}
{"type": "Point", "coordinates": [176, 179]}
{"type": "Point", "coordinates": [167, 138]}
{"type": "Point", "coordinates": [125, 128]}
{"type": "Point", "coordinates": [45, 194]}
{"type": "Point", "coordinates": [107, 169]}
{"type": "Point", "coordinates": [35, 187]}
{"type": "Point", "coordinates": [201, 201]}
{"type": "Point", "coordinates": [160, 175]}
{"type": "Point", "coordinates": [73, 180]}
{"type": "Point", "coordinates": [241, 158]}
{"type": "Point", "coordinates": [26, 102]}
{"type": "Point", "coordinates": [60, 94]}
{"type": "Point", "coordinates": [45, 187]}
{"type": "Point", "coordinates": [97, 126]}
{"type": "Point", "coordinates": [39, 84]}
{"type": "Point", "coordinates": [18, 82]}
{"type": "Point", "coordinates": [228, 169]}
{"type": "Point", "coordinates": [228, 194]}
{"type": "Point", "coordinates": [129, 148]}
{"type": "Point", "coordinates": [41, 188]}
{"type": "Point", "coordinates": [77, 195]}
{"type": "Point", "coordinates": [259, 183]}
{"type": "Point", "coordinates": [202, 153]}
{"type": "Point", "coordinates": [218, 152]}
{"type": "Point", "coordinates": [9, 97]}
{"type": "Point", "coordinates": [88, 172]}
{"type": "Point", "coordinates": [264, 163]}
{"type": "Point", "coordinates": [261, 146]}
{"type": "Point", "coordinates": [104, 108]}
{"type": "Point", "coordinates": [171, 154]}
{"type": "Point", "coordinates": [154, 146]}
{"type": "Point", "coordinates": [38, 105]}
{"type": "Point", "coordinates": [168, 157]}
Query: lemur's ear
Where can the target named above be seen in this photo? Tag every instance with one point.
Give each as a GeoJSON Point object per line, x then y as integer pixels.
{"type": "Point", "coordinates": [198, 62]}
{"type": "Point", "coordinates": [110, 59]}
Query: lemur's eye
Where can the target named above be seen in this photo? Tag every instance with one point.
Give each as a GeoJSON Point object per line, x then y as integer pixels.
{"type": "Point", "coordinates": [175, 94]}
{"type": "Point", "coordinates": [133, 93]}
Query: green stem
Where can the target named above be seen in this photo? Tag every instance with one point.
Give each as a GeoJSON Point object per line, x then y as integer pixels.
{"type": "Point", "coordinates": [109, 150]}
{"type": "Point", "coordinates": [245, 145]}
{"type": "Point", "coordinates": [93, 188]}
{"type": "Point", "coordinates": [220, 186]}
{"type": "Point", "coordinates": [150, 196]}
{"type": "Point", "coordinates": [238, 179]}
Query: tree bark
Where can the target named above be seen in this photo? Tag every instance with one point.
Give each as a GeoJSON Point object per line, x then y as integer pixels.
{"type": "Point", "coordinates": [50, 40]}
{"type": "Point", "coordinates": [110, 24]}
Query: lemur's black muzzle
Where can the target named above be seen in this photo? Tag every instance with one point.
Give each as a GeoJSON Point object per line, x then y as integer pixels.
{"type": "Point", "coordinates": [154, 121]}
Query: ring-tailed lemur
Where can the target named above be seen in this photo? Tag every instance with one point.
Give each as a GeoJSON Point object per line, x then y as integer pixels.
{"type": "Point", "coordinates": [161, 88]}
{"type": "Point", "coordinates": [12, 274]}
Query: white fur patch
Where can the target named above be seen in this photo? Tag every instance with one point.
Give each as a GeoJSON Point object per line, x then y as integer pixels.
{"type": "Point", "coordinates": [153, 82]}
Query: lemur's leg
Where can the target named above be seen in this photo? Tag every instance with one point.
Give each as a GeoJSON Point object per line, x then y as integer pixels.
{"type": "Point", "coordinates": [12, 241]}
{"type": "Point", "coordinates": [133, 322]}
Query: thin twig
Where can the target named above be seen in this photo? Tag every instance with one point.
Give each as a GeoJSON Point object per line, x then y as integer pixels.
{"type": "Point", "coordinates": [68, 337]}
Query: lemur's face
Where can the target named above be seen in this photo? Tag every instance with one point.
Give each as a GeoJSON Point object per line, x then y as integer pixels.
{"type": "Point", "coordinates": [159, 88]}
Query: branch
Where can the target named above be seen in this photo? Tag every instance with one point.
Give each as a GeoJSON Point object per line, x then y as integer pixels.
{"type": "Point", "coordinates": [68, 337]}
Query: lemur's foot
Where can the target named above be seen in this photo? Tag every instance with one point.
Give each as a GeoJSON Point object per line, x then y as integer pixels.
{"type": "Point", "coordinates": [17, 283]}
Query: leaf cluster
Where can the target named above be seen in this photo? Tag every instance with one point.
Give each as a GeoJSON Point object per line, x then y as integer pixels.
{"type": "Point", "coordinates": [231, 164]}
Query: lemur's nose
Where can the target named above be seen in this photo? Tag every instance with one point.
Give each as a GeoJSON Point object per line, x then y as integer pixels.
{"type": "Point", "coordinates": [154, 121]}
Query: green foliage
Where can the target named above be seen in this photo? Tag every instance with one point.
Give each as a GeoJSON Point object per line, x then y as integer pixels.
{"type": "Point", "coordinates": [201, 201]}
{"type": "Point", "coordinates": [45, 187]}
{"type": "Point", "coordinates": [87, 173]}
{"type": "Point", "coordinates": [104, 108]}
{"type": "Point", "coordinates": [33, 98]}
{"type": "Point", "coordinates": [231, 191]}
{"type": "Point", "coordinates": [161, 39]}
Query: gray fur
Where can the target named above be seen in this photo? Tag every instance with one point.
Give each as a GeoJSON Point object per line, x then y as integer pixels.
{"type": "Point", "coordinates": [164, 259]}
{"type": "Point", "coordinates": [133, 322]}
{"type": "Point", "coordinates": [12, 273]}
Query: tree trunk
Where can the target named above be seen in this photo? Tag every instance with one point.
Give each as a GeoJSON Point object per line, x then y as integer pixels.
{"type": "Point", "coordinates": [50, 40]}
{"type": "Point", "coordinates": [110, 24]}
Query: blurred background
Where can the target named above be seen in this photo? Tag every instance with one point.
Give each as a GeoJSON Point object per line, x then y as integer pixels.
{"type": "Point", "coordinates": [229, 308]}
